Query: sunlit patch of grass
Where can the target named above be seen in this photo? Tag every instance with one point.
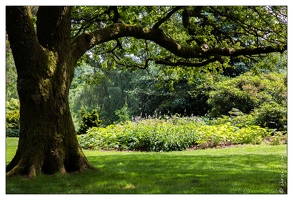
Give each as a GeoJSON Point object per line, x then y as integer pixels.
{"type": "Point", "coordinates": [238, 170]}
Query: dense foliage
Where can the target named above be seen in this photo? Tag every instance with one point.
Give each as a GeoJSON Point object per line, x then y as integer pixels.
{"type": "Point", "coordinates": [200, 27]}
{"type": "Point", "coordinates": [210, 95]}
{"type": "Point", "coordinates": [104, 91]}
{"type": "Point", "coordinates": [168, 83]}
{"type": "Point", "coordinates": [174, 134]}
{"type": "Point", "coordinates": [247, 92]}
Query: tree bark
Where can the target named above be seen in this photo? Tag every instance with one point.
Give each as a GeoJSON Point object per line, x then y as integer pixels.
{"type": "Point", "coordinates": [47, 139]}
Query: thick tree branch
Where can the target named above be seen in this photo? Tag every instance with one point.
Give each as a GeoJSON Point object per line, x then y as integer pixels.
{"type": "Point", "coordinates": [86, 41]}
{"type": "Point", "coordinates": [53, 26]}
{"type": "Point", "coordinates": [188, 64]}
{"type": "Point", "coordinates": [19, 20]}
{"type": "Point", "coordinates": [246, 51]}
{"type": "Point", "coordinates": [186, 16]}
{"type": "Point", "coordinates": [116, 16]}
{"type": "Point", "coordinates": [161, 21]}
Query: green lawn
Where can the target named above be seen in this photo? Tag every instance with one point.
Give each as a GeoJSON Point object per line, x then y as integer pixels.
{"type": "Point", "coordinates": [237, 170]}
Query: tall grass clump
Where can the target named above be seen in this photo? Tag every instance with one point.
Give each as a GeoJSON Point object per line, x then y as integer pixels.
{"type": "Point", "coordinates": [173, 134]}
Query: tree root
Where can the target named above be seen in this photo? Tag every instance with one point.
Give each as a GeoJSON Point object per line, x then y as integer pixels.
{"type": "Point", "coordinates": [13, 171]}
{"type": "Point", "coordinates": [34, 170]}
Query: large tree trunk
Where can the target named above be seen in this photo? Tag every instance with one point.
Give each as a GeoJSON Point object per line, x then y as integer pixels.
{"type": "Point", "coordinates": [45, 67]}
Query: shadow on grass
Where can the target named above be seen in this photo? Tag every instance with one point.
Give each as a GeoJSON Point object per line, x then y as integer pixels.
{"type": "Point", "coordinates": [166, 173]}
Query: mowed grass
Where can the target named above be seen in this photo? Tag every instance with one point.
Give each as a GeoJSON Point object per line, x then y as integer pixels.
{"type": "Point", "coordinates": [238, 170]}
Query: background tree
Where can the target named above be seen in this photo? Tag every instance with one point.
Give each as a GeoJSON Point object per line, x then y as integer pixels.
{"type": "Point", "coordinates": [47, 47]}
{"type": "Point", "coordinates": [12, 102]}
{"type": "Point", "coordinates": [104, 90]}
{"type": "Point", "coordinates": [11, 75]}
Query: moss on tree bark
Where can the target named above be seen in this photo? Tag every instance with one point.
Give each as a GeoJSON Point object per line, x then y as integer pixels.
{"type": "Point", "coordinates": [47, 141]}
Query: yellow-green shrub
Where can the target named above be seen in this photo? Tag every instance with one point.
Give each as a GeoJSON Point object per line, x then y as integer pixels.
{"type": "Point", "coordinates": [12, 114]}
{"type": "Point", "coordinates": [170, 135]}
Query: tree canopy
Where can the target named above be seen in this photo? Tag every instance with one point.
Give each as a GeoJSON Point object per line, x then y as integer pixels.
{"type": "Point", "coordinates": [178, 36]}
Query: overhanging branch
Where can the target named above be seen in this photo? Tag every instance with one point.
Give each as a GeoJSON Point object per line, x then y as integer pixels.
{"type": "Point", "coordinates": [188, 64]}
{"type": "Point", "coordinates": [246, 51]}
{"type": "Point", "coordinates": [85, 41]}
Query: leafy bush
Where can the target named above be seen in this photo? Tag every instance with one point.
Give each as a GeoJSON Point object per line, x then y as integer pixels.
{"type": "Point", "coordinates": [90, 119]}
{"type": "Point", "coordinates": [247, 92]}
{"type": "Point", "coordinates": [271, 115]}
{"type": "Point", "coordinates": [12, 114]}
{"type": "Point", "coordinates": [170, 135]}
